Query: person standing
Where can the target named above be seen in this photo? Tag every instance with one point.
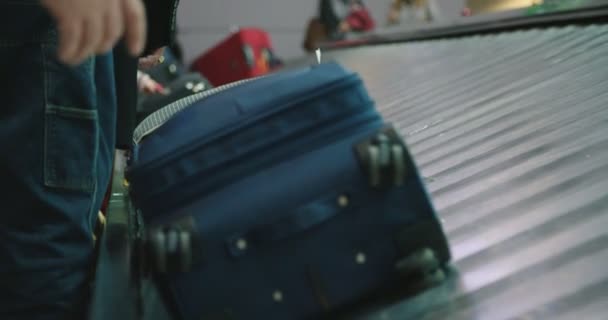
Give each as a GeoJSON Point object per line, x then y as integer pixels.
{"type": "Point", "coordinates": [57, 133]}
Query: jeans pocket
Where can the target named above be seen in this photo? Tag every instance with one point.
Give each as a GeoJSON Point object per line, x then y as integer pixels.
{"type": "Point", "coordinates": [71, 124]}
{"type": "Point", "coordinates": [71, 147]}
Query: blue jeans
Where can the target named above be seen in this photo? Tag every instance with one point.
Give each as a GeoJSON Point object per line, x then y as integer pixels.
{"type": "Point", "coordinates": [57, 133]}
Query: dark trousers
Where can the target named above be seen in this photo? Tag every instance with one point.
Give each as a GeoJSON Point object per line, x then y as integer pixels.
{"type": "Point", "coordinates": [57, 139]}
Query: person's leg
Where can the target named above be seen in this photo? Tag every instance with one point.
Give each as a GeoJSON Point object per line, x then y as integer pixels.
{"type": "Point", "coordinates": [57, 139]}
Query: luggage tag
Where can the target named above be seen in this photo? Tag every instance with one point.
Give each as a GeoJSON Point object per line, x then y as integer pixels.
{"type": "Point", "coordinates": [318, 54]}
{"type": "Point", "coordinates": [318, 57]}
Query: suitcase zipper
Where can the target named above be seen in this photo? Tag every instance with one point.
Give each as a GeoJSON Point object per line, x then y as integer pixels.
{"type": "Point", "coordinates": [195, 187]}
{"type": "Point", "coordinates": [160, 117]}
{"type": "Point", "coordinates": [341, 83]}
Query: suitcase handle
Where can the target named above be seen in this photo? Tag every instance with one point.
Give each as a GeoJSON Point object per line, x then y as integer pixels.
{"type": "Point", "coordinates": [299, 221]}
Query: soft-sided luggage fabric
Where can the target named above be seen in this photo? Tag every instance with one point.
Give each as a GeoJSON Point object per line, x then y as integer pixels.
{"type": "Point", "coordinates": [235, 109]}
{"type": "Point", "coordinates": [360, 20]}
{"type": "Point", "coordinates": [244, 54]}
{"type": "Point", "coordinates": [287, 225]}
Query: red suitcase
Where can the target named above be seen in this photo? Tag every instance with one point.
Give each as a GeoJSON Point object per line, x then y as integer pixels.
{"type": "Point", "coordinates": [244, 54]}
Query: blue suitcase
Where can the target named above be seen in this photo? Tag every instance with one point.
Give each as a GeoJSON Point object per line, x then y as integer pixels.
{"type": "Point", "coordinates": [283, 197]}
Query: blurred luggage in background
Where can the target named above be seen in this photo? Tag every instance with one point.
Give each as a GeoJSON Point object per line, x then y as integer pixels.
{"type": "Point", "coordinates": [246, 53]}
{"type": "Point", "coordinates": [266, 199]}
{"type": "Point", "coordinates": [185, 85]}
{"type": "Point", "coordinates": [336, 20]}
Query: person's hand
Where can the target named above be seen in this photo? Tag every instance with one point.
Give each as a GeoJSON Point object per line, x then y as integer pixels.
{"type": "Point", "coordinates": [148, 85]}
{"type": "Point", "coordinates": [152, 60]}
{"type": "Point", "coordinates": [89, 27]}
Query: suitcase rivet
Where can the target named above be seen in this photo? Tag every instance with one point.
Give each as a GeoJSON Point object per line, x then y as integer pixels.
{"type": "Point", "coordinates": [241, 244]}
{"type": "Point", "coordinates": [343, 201]}
{"type": "Point", "coordinates": [277, 296]}
{"type": "Point", "coordinates": [199, 87]}
{"type": "Point", "coordinates": [360, 258]}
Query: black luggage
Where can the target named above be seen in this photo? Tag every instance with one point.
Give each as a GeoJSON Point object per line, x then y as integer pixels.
{"type": "Point", "coordinates": [169, 70]}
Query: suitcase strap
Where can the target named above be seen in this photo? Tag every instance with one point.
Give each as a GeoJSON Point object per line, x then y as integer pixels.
{"type": "Point", "coordinates": [300, 220]}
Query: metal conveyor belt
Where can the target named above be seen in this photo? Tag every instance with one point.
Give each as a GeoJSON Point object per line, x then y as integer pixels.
{"type": "Point", "coordinates": [511, 134]}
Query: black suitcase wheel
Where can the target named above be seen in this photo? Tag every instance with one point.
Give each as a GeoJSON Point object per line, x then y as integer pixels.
{"type": "Point", "coordinates": [421, 261]}
{"type": "Point", "coordinates": [420, 270]}
{"type": "Point", "coordinates": [384, 158]}
{"type": "Point", "coordinates": [428, 280]}
{"type": "Point", "coordinates": [170, 250]}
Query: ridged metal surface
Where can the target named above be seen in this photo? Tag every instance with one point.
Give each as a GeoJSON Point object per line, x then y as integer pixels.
{"type": "Point", "coordinates": [511, 134]}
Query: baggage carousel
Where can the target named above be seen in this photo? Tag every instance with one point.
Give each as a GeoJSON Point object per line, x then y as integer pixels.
{"type": "Point", "coordinates": [510, 131]}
